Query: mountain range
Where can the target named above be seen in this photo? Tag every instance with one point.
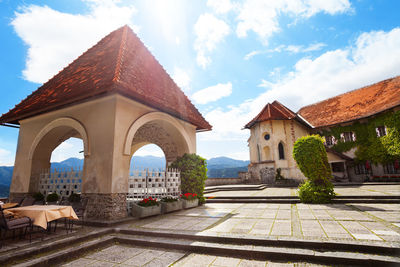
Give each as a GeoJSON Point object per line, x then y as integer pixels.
{"type": "Point", "coordinates": [220, 167]}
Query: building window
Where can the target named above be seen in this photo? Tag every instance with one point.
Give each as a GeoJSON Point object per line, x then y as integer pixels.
{"type": "Point", "coordinates": [389, 168]}
{"type": "Point", "coordinates": [360, 169]}
{"type": "Point", "coordinates": [281, 151]}
{"type": "Point", "coordinates": [337, 166]}
{"type": "Point", "coordinates": [348, 137]}
{"type": "Point", "coordinates": [330, 140]}
{"type": "Point", "coordinates": [267, 137]}
{"type": "Point", "coordinates": [380, 131]}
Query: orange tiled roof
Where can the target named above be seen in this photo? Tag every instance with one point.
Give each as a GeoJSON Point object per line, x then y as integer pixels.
{"type": "Point", "coordinates": [354, 105]}
{"type": "Point", "coordinates": [119, 63]}
{"type": "Point", "coordinates": [274, 111]}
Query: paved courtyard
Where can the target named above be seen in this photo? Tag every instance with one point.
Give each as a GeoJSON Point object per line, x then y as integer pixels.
{"type": "Point", "coordinates": [355, 223]}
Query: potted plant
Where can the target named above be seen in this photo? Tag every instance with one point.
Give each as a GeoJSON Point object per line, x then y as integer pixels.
{"type": "Point", "coordinates": [145, 208]}
{"type": "Point", "coordinates": [39, 198]}
{"type": "Point", "coordinates": [190, 200]}
{"type": "Point", "coordinates": [52, 199]}
{"type": "Point", "coordinates": [170, 204]}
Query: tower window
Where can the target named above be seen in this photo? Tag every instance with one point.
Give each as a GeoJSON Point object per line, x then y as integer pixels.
{"type": "Point", "coordinates": [281, 151]}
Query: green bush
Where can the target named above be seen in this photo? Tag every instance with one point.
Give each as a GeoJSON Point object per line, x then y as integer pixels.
{"type": "Point", "coordinates": [53, 197]}
{"type": "Point", "coordinates": [38, 196]}
{"type": "Point", "coordinates": [74, 198]}
{"type": "Point", "coordinates": [169, 199]}
{"type": "Point", "coordinates": [309, 192]}
{"type": "Point", "coordinates": [310, 155]}
{"type": "Point", "coordinates": [193, 170]}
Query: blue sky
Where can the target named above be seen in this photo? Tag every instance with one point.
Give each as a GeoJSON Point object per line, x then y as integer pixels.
{"type": "Point", "coordinates": [230, 57]}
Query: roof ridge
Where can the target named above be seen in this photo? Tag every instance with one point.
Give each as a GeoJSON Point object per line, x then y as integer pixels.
{"type": "Point", "coordinates": [283, 109]}
{"type": "Point", "coordinates": [121, 52]}
{"type": "Point", "coordinates": [162, 68]}
{"type": "Point", "coordinates": [351, 91]}
{"type": "Point", "coordinates": [42, 86]}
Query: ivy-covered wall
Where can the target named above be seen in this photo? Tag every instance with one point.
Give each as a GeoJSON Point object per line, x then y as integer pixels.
{"type": "Point", "coordinates": [369, 146]}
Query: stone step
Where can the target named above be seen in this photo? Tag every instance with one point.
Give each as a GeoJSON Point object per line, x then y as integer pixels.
{"type": "Point", "coordinates": [257, 252]}
{"type": "Point", "coordinates": [245, 248]}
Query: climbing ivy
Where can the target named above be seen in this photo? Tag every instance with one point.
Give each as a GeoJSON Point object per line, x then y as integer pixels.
{"type": "Point", "coordinates": [368, 145]}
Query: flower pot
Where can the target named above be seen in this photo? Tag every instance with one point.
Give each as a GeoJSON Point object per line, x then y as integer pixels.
{"type": "Point", "coordinates": [141, 212]}
{"type": "Point", "coordinates": [187, 204]}
{"type": "Point", "coordinates": [167, 207]}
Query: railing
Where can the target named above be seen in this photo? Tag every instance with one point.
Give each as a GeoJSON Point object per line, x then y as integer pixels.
{"type": "Point", "coordinates": [64, 182]}
{"type": "Point", "coordinates": [142, 183]}
{"type": "Point", "coordinates": [154, 183]}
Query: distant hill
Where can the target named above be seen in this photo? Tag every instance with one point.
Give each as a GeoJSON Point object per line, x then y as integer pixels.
{"type": "Point", "coordinates": [224, 167]}
{"type": "Point", "coordinates": [221, 167]}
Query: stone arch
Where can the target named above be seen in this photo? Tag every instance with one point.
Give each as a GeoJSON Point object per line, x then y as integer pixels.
{"type": "Point", "coordinates": [52, 135]}
{"type": "Point", "coordinates": [62, 122]}
{"type": "Point", "coordinates": [160, 129]}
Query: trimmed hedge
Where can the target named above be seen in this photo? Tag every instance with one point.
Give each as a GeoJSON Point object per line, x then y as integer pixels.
{"type": "Point", "coordinates": [310, 155]}
{"type": "Point", "coordinates": [193, 170]}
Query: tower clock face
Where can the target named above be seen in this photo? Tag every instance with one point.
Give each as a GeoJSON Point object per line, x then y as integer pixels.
{"type": "Point", "coordinates": [267, 136]}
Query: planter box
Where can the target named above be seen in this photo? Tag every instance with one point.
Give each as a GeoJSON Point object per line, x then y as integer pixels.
{"type": "Point", "coordinates": [187, 204]}
{"type": "Point", "coordinates": [141, 212]}
{"type": "Point", "coordinates": [167, 207]}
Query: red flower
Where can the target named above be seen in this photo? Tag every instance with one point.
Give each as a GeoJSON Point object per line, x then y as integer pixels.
{"type": "Point", "coordinates": [194, 194]}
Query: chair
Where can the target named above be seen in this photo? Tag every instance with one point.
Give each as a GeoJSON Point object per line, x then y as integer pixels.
{"type": "Point", "coordinates": [8, 222]}
{"type": "Point", "coordinates": [79, 208]}
{"type": "Point", "coordinates": [28, 201]}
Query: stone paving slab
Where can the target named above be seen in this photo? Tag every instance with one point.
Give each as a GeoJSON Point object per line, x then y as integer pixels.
{"type": "Point", "coordinates": [361, 222]}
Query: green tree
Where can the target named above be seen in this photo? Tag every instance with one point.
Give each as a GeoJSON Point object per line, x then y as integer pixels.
{"type": "Point", "coordinates": [193, 170]}
{"type": "Point", "coordinates": [310, 155]}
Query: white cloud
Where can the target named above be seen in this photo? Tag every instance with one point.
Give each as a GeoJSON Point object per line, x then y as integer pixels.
{"type": "Point", "coordinates": [70, 148]}
{"type": "Point", "coordinates": [6, 157]}
{"type": "Point", "coordinates": [181, 78]}
{"type": "Point", "coordinates": [55, 39]}
{"type": "Point", "coordinates": [373, 57]}
{"type": "Point", "coordinates": [220, 6]}
{"type": "Point", "coordinates": [261, 16]}
{"type": "Point", "coordinates": [212, 93]}
{"type": "Point", "coordinates": [150, 150]}
{"type": "Point", "coordinates": [209, 32]}
{"type": "Point", "coordinates": [289, 48]}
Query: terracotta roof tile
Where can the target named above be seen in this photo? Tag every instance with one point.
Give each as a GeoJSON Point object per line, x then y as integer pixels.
{"type": "Point", "coordinates": [119, 63]}
{"type": "Point", "coordinates": [274, 111]}
{"type": "Point", "coordinates": [355, 104]}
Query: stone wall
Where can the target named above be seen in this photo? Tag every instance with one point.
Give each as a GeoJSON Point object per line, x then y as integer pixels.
{"type": "Point", "coordinates": [106, 206]}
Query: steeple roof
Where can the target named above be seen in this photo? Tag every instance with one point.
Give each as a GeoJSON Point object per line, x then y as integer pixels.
{"type": "Point", "coordinates": [119, 63]}
{"type": "Point", "coordinates": [274, 111]}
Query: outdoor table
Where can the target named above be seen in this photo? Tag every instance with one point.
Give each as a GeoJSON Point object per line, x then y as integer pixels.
{"type": "Point", "coordinates": [9, 205]}
{"type": "Point", "coordinates": [41, 214]}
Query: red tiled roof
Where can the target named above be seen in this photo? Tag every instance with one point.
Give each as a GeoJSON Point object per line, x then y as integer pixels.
{"type": "Point", "coordinates": [274, 111]}
{"type": "Point", "coordinates": [119, 63]}
{"type": "Point", "coordinates": [357, 104]}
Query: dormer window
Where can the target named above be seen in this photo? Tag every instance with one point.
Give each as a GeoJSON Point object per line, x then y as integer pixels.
{"type": "Point", "coordinates": [380, 131]}
{"type": "Point", "coordinates": [348, 137]}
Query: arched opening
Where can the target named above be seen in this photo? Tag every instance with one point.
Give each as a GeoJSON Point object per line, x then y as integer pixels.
{"type": "Point", "coordinates": [267, 153]}
{"type": "Point", "coordinates": [57, 158]}
{"type": "Point", "coordinates": [149, 156]}
{"type": "Point", "coordinates": [281, 151]}
{"type": "Point", "coordinates": [163, 134]}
